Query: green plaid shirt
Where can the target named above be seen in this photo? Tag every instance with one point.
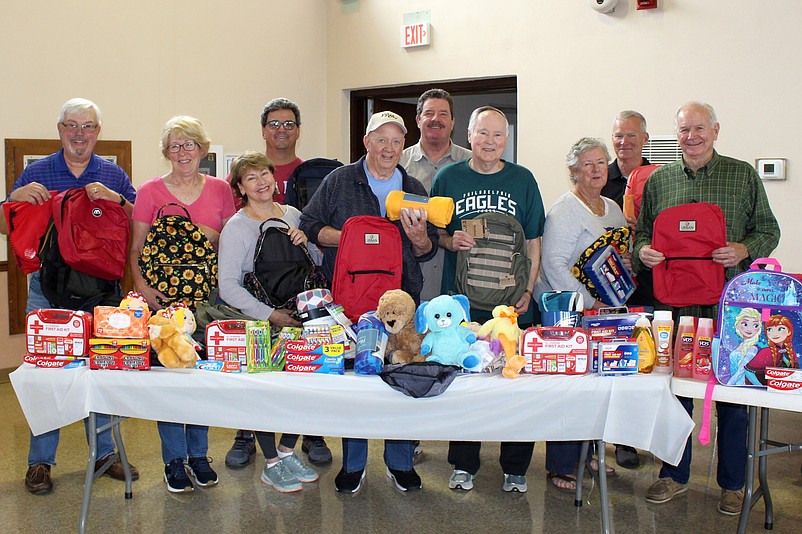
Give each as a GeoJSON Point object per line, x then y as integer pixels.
{"type": "Point", "coordinates": [732, 184]}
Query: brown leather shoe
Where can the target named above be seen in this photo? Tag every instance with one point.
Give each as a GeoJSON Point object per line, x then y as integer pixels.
{"type": "Point", "coordinates": [115, 470]}
{"type": "Point", "coordinates": [37, 479]}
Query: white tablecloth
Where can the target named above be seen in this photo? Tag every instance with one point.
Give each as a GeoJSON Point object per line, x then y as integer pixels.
{"type": "Point", "coordinates": [748, 396]}
{"type": "Point", "coordinates": [637, 410]}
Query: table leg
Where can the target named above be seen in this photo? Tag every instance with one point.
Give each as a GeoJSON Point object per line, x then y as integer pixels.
{"type": "Point", "coordinates": [605, 509]}
{"type": "Point", "coordinates": [750, 468]}
{"type": "Point", "coordinates": [580, 473]}
{"type": "Point", "coordinates": [761, 470]}
{"type": "Point", "coordinates": [90, 471]}
{"type": "Point", "coordinates": [118, 439]}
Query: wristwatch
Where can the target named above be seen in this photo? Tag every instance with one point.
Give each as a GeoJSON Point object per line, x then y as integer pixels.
{"type": "Point", "coordinates": [122, 200]}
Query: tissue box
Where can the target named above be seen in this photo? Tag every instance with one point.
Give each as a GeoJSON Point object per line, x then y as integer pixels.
{"type": "Point", "coordinates": [58, 332]}
{"type": "Point", "coordinates": [612, 281]}
{"type": "Point", "coordinates": [555, 350]}
{"type": "Point", "coordinates": [125, 354]}
{"type": "Point", "coordinates": [784, 380]}
{"type": "Point", "coordinates": [121, 322]}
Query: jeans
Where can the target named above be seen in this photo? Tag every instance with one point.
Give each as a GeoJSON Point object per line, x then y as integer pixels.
{"type": "Point", "coordinates": [562, 456]}
{"type": "Point", "coordinates": [180, 440]}
{"type": "Point", "coordinates": [43, 447]}
{"type": "Point", "coordinates": [398, 454]}
{"type": "Point", "coordinates": [731, 441]}
{"type": "Point", "coordinates": [514, 457]}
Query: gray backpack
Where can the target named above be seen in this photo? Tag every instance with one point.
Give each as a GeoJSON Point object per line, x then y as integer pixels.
{"type": "Point", "coordinates": [496, 270]}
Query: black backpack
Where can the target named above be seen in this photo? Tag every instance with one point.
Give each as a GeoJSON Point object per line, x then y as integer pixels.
{"type": "Point", "coordinates": [66, 288]}
{"type": "Point", "coordinates": [306, 178]}
{"type": "Point", "coordinates": [281, 269]}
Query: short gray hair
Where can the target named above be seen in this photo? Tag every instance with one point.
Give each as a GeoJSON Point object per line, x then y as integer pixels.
{"type": "Point", "coordinates": [482, 109]}
{"type": "Point", "coordinates": [707, 108]}
{"type": "Point", "coordinates": [579, 148]}
{"type": "Point", "coordinates": [631, 114]}
{"type": "Point", "coordinates": [78, 105]}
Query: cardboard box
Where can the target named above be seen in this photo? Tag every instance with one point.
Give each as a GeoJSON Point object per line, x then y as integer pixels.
{"type": "Point", "coordinates": [618, 357]}
{"type": "Point", "coordinates": [555, 350]}
{"type": "Point", "coordinates": [609, 276]}
{"type": "Point", "coordinates": [53, 362]}
{"type": "Point", "coordinates": [784, 380]}
{"type": "Point", "coordinates": [58, 332]}
{"type": "Point", "coordinates": [225, 341]}
{"type": "Point", "coordinates": [124, 354]}
{"type": "Point", "coordinates": [609, 326]}
{"type": "Point", "coordinates": [121, 322]}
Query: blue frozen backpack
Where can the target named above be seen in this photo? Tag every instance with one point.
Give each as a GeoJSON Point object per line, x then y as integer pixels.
{"type": "Point", "coordinates": [759, 324]}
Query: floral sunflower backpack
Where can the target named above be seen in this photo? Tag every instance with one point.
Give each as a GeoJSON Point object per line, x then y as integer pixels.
{"type": "Point", "coordinates": [178, 259]}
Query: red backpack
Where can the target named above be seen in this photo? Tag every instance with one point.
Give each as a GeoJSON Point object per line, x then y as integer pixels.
{"type": "Point", "coordinates": [27, 224]}
{"type": "Point", "coordinates": [687, 235]}
{"type": "Point", "coordinates": [369, 262]}
{"type": "Point", "coordinates": [92, 235]}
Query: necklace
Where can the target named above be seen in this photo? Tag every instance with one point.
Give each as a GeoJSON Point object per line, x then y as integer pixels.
{"type": "Point", "coordinates": [182, 192]}
{"type": "Point", "coordinates": [597, 211]}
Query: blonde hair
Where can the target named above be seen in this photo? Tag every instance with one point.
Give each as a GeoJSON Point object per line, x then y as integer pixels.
{"type": "Point", "coordinates": [188, 127]}
{"type": "Point", "coordinates": [747, 313]}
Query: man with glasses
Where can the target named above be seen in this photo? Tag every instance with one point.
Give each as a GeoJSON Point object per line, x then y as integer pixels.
{"type": "Point", "coordinates": [75, 165]}
{"type": "Point", "coordinates": [281, 128]}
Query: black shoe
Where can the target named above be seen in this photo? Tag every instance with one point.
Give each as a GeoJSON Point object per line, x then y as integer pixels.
{"type": "Point", "coordinates": [405, 480]}
{"type": "Point", "coordinates": [200, 469]}
{"type": "Point", "coordinates": [626, 456]}
{"type": "Point", "coordinates": [349, 482]}
{"type": "Point", "coordinates": [316, 449]}
{"type": "Point", "coordinates": [242, 451]}
{"type": "Point", "coordinates": [175, 474]}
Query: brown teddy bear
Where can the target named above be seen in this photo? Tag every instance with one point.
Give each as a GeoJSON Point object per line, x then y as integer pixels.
{"type": "Point", "coordinates": [170, 343]}
{"type": "Point", "coordinates": [397, 311]}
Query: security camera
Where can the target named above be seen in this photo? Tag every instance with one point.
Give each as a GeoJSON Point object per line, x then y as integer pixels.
{"type": "Point", "coordinates": [603, 6]}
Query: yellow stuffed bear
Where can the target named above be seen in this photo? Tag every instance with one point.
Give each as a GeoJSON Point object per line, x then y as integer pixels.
{"type": "Point", "coordinates": [170, 343]}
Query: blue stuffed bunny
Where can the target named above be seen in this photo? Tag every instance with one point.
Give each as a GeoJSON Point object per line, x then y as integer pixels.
{"type": "Point", "coordinates": [447, 341]}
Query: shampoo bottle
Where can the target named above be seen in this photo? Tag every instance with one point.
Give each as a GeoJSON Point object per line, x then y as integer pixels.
{"type": "Point", "coordinates": [642, 333]}
{"type": "Point", "coordinates": [663, 329]}
{"type": "Point", "coordinates": [683, 348]}
{"type": "Point", "coordinates": [702, 349]}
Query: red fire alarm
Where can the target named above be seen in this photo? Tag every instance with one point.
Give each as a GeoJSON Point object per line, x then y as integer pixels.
{"type": "Point", "coordinates": [647, 4]}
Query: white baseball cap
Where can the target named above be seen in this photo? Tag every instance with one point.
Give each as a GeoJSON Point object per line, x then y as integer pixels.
{"type": "Point", "coordinates": [383, 117]}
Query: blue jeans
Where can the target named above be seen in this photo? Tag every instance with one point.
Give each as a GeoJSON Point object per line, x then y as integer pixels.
{"type": "Point", "coordinates": [398, 454]}
{"type": "Point", "coordinates": [43, 447]}
{"type": "Point", "coordinates": [180, 440]}
{"type": "Point", "coordinates": [562, 456]}
{"type": "Point", "coordinates": [731, 441]}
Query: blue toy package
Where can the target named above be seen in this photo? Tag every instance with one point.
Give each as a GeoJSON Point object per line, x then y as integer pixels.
{"type": "Point", "coordinates": [759, 325]}
{"type": "Point", "coordinates": [609, 276]}
{"type": "Point", "coordinates": [371, 344]}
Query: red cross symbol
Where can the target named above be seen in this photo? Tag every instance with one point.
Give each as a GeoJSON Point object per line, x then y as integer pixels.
{"type": "Point", "coordinates": [36, 326]}
{"type": "Point", "coordinates": [534, 343]}
{"type": "Point", "coordinates": [217, 337]}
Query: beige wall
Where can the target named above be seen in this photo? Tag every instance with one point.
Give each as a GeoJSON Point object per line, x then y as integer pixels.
{"type": "Point", "coordinates": [146, 61]}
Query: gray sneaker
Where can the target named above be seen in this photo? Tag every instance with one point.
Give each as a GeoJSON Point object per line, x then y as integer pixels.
{"type": "Point", "coordinates": [281, 478]}
{"type": "Point", "coordinates": [297, 467]}
{"type": "Point", "coordinates": [242, 451]}
{"type": "Point", "coordinates": [514, 483]}
{"type": "Point", "coordinates": [462, 480]}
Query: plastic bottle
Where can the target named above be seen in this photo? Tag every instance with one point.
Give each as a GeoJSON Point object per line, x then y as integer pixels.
{"type": "Point", "coordinates": [642, 333]}
{"type": "Point", "coordinates": [702, 349]}
{"type": "Point", "coordinates": [683, 348]}
{"type": "Point", "coordinates": [439, 210]}
{"type": "Point", "coordinates": [663, 329]}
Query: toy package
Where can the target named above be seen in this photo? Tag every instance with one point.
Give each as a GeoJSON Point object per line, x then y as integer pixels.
{"type": "Point", "coordinates": [127, 354]}
{"type": "Point", "coordinates": [555, 350]}
{"type": "Point", "coordinates": [58, 332]}
{"type": "Point", "coordinates": [759, 324]}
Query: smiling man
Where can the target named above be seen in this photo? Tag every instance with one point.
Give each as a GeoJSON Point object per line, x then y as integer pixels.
{"type": "Point", "coordinates": [281, 129]}
{"type": "Point", "coordinates": [629, 136]}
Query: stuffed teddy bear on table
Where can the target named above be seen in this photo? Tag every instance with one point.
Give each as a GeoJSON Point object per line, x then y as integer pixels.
{"type": "Point", "coordinates": [396, 310]}
{"type": "Point", "coordinates": [173, 348]}
{"type": "Point", "coordinates": [447, 341]}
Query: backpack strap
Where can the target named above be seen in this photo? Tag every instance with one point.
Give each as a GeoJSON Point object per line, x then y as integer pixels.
{"type": "Point", "coordinates": [179, 206]}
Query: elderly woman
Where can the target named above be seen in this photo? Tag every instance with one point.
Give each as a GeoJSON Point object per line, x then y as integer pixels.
{"type": "Point", "coordinates": [574, 222]}
{"type": "Point", "coordinates": [210, 204]}
{"type": "Point", "coordinates": [253, 184]}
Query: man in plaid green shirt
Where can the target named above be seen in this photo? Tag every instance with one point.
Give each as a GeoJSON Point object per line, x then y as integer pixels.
{"type": "Point", "coordinates": [752, 232]}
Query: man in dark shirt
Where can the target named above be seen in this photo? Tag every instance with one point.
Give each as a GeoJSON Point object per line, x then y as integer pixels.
{"type": "Point", "coordinates": [629, 136]}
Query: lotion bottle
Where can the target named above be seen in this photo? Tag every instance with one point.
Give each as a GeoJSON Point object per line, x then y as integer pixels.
{"type": "Point", "coordinates": [663, 329]}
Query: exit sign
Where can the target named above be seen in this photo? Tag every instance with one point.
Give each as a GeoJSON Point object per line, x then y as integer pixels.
{"type": "Point", "coordinates": [416, 34]}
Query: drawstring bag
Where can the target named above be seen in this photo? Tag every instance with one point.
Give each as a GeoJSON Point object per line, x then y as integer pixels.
{"type": "Point", "coordinates": [419, 379]}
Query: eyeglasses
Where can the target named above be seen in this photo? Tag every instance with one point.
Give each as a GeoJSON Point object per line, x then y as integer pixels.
{"type": "Point", "coordinates": [88, 127]}
{"type": "Point", "coordinates": [189, 146]}
{"type": "Point", "coordinates": [288, 125]}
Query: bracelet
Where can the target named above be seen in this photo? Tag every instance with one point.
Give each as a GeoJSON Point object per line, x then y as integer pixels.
{"type": "Point", "coordinates": [531, 295]}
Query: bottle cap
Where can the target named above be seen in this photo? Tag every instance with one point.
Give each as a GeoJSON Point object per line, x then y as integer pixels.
{"type": "Point", "coordinates": [705, 321]}
{"type": "Point", "coordinates": [662, 315]}
{"type": "Point", "coordinates": [686, 320]}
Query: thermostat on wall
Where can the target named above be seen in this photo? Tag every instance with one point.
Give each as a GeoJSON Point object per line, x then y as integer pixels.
{"type": "Point", "coordinates": [771, 169]}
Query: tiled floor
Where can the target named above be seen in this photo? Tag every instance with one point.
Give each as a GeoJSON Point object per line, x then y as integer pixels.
{"type": "Point", "coordinates": [242, 503]}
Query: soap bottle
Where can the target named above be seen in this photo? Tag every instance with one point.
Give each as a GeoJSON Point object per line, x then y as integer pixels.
{"type": "Point", "coordinates": [702, 349]}
{"type": "Point", "coordinates": [663, 329]}
{"type": "Point", "coordinates": [683, 348]}
{"type": "Point", "coordinates": [642, 333]}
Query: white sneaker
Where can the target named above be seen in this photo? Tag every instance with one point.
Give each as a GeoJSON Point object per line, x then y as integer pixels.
{"type": "Point", "coordinates": [461, 480]}
{"type": "Point", "coordinates": [514, 483]}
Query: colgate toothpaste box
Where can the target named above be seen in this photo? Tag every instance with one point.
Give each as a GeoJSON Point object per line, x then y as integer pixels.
{"type": "Point", "coordinates": [125, 354]}
{"type": "Point", "coordinates": [225, 341]}
{"type": "Point", "coordinates": [555, 350]}
{"type": "Point", "coordinates": [111, 321]}
{"type": "Point", "coordinates": [53, 362]}
{"type": "Point", "coordinates": [218, 366]}
{"type": "Point", "coordinates": [58, 332]}
{"type": "Point", "coordinates": [784, 380]}
{"type": "Point", "coordinates": [302, 357]}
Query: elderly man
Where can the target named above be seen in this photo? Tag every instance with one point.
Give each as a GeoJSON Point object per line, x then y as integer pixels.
{"type": "Point", "coordinates": [435, 120]}
{"type": "Point", "coordinates": [752, 232]}
{"type": "Point", "coordinates": [485, 182]}
{"type": "Point", "coordinates": [281, 129]}
{"type": "Point", "coordinates": [629, 136]}
{"type": "Point", "coordinates": [75, 165]}
{"type": "Point", "coordinates": [361, 189]}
